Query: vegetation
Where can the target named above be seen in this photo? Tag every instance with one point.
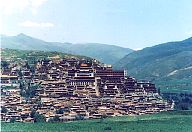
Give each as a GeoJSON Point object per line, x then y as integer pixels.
{"type": "Point", "coordinates": [54, 119]}
{"type": "Point", "coordinates": [175, 86]}
{"type": "Point", "coordinates": [169, 65]}
{"type": "Point", "coordinates": [62, 110]}
{"type": "Point", "coordinates": [4, 64]}
{"type": "Point", "coordinates": [3, 109]}
{"type": "Point", "coordinates": [12, 120]}
{"type": "Point", "coordinates": [39, 117]}
{"type": "Point", "coordinates": [32, 57]}
{"type": "Point", "coordinates": [183, 101]}
{"type": "Point", "coordinates": [175, 121]}
{"type": "Point", "coordinates": [106, 53]}
{"type": "Point", "coordinates": [79, 117]}
{"type": "Point", "coordinates": [28, 90]}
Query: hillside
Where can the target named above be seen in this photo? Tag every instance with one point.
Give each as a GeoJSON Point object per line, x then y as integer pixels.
{"type": "Point", "coordinates": [33, 56]}
{"type": "Point", "coordinates": [105, 53]}
{"type": "Point", "coordinates": [163, 63]}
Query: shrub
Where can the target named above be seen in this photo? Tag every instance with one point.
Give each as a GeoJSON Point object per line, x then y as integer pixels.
{"type": "Point", "coordinates": [54, 119]}
{"type": "Point", "coordinates": [3, 109]}
{"type": "Point", "coordinates": [39, 117]}
{"type": "Point", "coordinates": [79, 117]}
{"type": "Point", "coordinates": [12, 120]}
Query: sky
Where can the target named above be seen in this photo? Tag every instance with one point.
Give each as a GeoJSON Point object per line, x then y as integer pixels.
{"type": "Point", "coordinates": [128, 23]}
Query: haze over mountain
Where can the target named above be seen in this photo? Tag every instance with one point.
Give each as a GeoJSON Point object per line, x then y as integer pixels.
{"type": "Point", "coordinates": [103, 52]}
{"type": "Point", "coordinates": [170, 61]}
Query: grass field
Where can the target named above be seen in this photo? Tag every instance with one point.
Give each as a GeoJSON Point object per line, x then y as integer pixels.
{"type": "Point", "coordinates": [162, 122]}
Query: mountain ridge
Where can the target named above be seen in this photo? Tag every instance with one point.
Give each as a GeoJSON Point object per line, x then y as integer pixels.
{"type": "Point", "coordinates": [156, 63]}
{"type": "Point", "coordinates": [103, 52]}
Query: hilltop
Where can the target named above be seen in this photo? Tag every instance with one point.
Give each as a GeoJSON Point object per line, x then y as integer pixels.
{"type": "Point", "coordinates": [103, 52]}
{"type": "Point", "coordinates": [32, 56]}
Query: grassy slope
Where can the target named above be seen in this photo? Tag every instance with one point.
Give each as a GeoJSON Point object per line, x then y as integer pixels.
{"type": "Point", "coordinates": [34, 55]}
{"type": "Point", "coordinates": [175, 86]}
{"type": "Point", "coordinates": [159, 63]}
{"type": "Point", "coordinates": [162, 122]}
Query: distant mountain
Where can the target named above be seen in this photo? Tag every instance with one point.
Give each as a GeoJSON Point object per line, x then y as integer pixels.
{"type": "Point", "coordinates": [105, 53]}
{"type": "Point", "coordinates": [163, 63]}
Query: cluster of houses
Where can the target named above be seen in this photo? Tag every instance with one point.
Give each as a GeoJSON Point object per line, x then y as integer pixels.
{"type": "Point", "coordinates": [74, 88]}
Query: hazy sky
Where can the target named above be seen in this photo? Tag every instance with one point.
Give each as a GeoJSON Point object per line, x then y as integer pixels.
{"type": "Point", "coordinates": [128, 23]}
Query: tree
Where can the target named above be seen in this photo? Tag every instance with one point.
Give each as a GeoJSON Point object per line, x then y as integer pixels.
{"type": "Point", "coordinates": [79, 117]}
{"type": "Point", "coordinates": [39, 117]}
{"type": "Point", "coordinates": [183, 106]}
{"type": "Point", "coordinates": [4, 64]}
{"type": "Point", "coordinates": [32, 69]}
{"type": "Point", "coordinates": [12, 120]}
{"type": "Point", "coordinates": [33, 112]}
{"type": "Point", "coordinates": [27, 65]}
{"type": "Point", "coordinates": [54, 119]}
{"type": "Point", "coordinates": [28, 90]}
{"type": "Point", "coordinates": [60, 111]}
{"type": "Point", "coordinates": [3, 109]}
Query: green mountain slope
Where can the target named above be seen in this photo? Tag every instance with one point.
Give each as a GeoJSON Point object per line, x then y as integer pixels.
{"type": "Point", "coordinates": [162, 63]}
{"type": "Point", "coordinates": [103, 52]}
{"type": "Point", "coordinates": [32, 56]}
